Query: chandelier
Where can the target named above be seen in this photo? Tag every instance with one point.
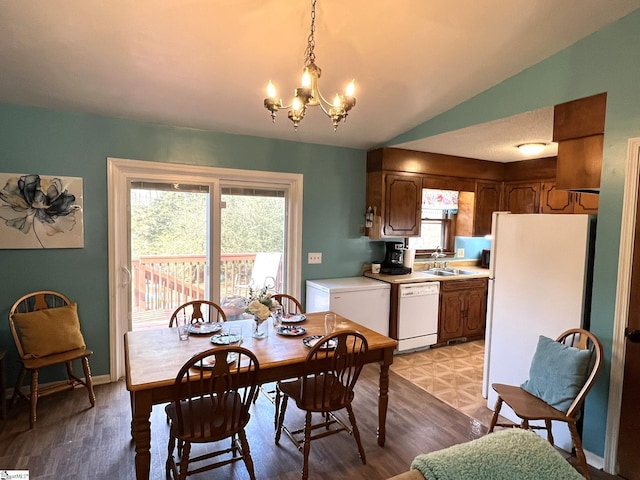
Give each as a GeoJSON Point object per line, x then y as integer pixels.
{"type": "Point", "coordinates": [308, 93]}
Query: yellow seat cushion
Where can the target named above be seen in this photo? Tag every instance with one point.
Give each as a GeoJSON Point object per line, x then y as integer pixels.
{"type": "Point", "coordinates": [49, 331]}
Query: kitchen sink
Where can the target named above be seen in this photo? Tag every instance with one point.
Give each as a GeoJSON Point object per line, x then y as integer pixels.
{"type": "Point", "coordinates": [439, 272]}
{"type": "Point", "coordinates": [460, 271]}
{"type": "Point", "coordinates": [447, 272]}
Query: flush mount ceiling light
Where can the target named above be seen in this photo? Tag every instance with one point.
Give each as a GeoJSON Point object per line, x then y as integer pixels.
{"type": "Point", "coordinates": [532, 148]}
{"type": "Point", "coordinates": [308, 94]}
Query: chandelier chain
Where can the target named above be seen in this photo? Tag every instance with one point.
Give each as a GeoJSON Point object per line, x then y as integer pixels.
{"type": "Point", "coordinates": [309, 55]}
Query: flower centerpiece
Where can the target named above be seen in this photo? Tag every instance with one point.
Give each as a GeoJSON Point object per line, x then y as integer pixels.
{"type": "Point", "coordinates": [259, 304]}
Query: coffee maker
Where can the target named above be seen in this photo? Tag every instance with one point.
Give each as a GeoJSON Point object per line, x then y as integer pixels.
{"type": "Point", "coordinates": [393, 260]}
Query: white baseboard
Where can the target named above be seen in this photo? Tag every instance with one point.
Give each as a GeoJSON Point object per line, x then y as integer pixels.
{"type": "Point", "coordinates": [594, 460]}
{"type": "Point", "coordinates": [101, 379]}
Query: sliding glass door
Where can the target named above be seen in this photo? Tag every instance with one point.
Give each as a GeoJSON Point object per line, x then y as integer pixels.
{"type": "Point", "coordinates": [169, 230]}
{"type": "Point", "coordinates": [252, 240]}
{"type": "Point", "coordinates": [166, 223]}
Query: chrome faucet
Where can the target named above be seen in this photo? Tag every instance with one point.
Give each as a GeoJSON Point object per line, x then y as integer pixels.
{"type": "Point", "coordinates": [438, 253]}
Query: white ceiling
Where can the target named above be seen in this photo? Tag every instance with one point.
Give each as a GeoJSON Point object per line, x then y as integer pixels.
{"type": "Point", "coordinates": [205, 63]}
{"type": "Point", "coordinates": [496, 141]}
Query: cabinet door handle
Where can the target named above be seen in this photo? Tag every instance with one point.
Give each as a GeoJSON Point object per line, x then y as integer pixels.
{"type": "Point", "coordinates": [632, 335]}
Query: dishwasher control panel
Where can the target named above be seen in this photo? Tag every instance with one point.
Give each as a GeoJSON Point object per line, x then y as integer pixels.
{"type": "Point", "coordinates": [418, 289]}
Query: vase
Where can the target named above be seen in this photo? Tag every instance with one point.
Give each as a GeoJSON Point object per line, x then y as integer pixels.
{"type": "Point", "coordinates": [260, 327]}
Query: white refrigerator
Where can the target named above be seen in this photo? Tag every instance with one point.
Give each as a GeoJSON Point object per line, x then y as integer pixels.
{"type": "Point", "coordinates": [361, 299]}
{"type": "Point", "coordinates": [539, 284]}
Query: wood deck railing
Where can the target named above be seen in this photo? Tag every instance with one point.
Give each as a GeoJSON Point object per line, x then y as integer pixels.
{"type": "Point", "coordinates": [164, 282]}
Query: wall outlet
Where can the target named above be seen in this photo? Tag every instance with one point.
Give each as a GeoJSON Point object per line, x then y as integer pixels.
{"type": "Point", "coordinates": [314, 258]}
{"type": "Point", "coordinates": [460, 253]}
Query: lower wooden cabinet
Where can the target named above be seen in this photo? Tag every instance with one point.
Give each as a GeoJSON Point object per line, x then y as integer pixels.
{"type": "Point", "coordinates": [463, 309]}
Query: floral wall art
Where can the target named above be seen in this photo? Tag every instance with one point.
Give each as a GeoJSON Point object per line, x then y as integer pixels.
{"type": "Point", "coordinates": [39, 211]}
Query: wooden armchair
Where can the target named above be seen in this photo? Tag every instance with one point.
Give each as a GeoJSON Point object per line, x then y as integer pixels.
{"type": "Point", "coordinates": [326, 387]}
{"type": "Point", "coordinates": [290, 304]}
{"type": "Point", "coordinates": [212, 394]}
{"type": "Point", "coordinates": [46, 331]}
{"type": "Point", "coordinates": [575, 373]}
{"type": "Point", "coordinates": [202, 311]}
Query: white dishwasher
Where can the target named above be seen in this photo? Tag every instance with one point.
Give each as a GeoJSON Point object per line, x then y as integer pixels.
{"type": "Point", "coordinates": [417, 315]}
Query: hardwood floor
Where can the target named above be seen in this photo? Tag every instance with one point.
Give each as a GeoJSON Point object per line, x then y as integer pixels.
{"type": "Point", "coordinates": [71, 440]}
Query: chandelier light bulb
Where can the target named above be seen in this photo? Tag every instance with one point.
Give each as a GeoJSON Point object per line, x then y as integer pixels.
{"type": "Point", "coordinates": [271, 90]}
{"type": "Point", "coordinates": [351, 88]}
{"type": "Point", "coordinates": [336, 101]}
{"type": "Point", "coordinates": [306, 79]}
{"type": "Point", "coordinates": [296, 104]}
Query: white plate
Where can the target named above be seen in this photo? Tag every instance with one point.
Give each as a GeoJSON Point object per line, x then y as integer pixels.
{"type": "Point", "coordinates": [293, 318]}
{"type": "Point", "coordinates": [290, 330]}
{"type": "Point", "coordinates": [311, 341]}
{"type": "Point", "coordinates": [205, 328]}
{"type": "Point", "coordinates": [225, 338]}
{"type": "Point", "coordinates": [210, 362]}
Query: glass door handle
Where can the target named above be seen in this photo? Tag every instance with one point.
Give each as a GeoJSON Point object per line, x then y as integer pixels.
{"type": "Point", "coordinates": [126, 278]}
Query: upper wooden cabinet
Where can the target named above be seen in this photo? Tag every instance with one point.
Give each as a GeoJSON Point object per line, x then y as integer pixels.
{"type": "Point", "coordinates": [579, 118]}
{"type": "Point", "coordinates": [402, 205]}
{"type": "Point", "coordinates": [580, 163]}
{"type": "Point", "coordinates": [578, 127]}
{"type": "Point", "coordinates": [585, 202]}
{"type": "Point", "coordinates": [396, 198]}
{"type": "Point", "coordinates": [487, 201]}
{"type": "Point", "coordinates": [396, 177]}
{"type": "Point", "coordinates": [522, 197]}
{"type": "Point", "coordinates": [554, 200]}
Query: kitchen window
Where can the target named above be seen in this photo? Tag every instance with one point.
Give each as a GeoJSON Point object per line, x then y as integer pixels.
{"type": "Point", "coordinates": [439, 209]}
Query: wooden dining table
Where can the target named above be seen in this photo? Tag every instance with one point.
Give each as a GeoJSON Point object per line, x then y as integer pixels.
{"type": "Point", "coordinates": [154, 357]}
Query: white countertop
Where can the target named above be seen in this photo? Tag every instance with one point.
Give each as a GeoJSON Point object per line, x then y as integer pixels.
{"type": "Point", "coordinates": [347, 284]}
{"type": "Point", "coordinates": [416, 276]}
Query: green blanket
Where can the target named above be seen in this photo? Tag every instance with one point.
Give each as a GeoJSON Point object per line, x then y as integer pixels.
{"type": "Point", "coordinates": [512, 454]}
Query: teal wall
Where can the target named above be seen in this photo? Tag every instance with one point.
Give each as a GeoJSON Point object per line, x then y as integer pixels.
{"type": "Point", "coordinates": [46, 142]}
{"type": "Point", "coordinates": [606, 61]}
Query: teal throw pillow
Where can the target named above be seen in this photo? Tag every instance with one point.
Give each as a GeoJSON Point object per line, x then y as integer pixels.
{"type": "Point", "coordinates": [557, 373]}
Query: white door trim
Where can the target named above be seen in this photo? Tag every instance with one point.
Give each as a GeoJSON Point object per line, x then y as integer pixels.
{"type": "Point", "coordinates": [120, 172]}
{"type": "Point", "coordinates": [623, 290]}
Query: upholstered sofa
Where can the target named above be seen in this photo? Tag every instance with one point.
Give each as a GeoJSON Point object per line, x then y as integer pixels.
{"type": "Point", "coordinates": [503, 455]}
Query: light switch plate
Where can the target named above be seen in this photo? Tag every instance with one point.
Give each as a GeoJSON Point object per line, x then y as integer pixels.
{"type": "Point", "coordinates": [314, 258]}
{"type": "Point", "coordinates": [460, 253]}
